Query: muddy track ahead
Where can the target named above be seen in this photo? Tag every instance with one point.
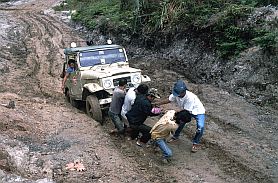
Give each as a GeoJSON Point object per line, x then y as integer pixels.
{"type": "Point", "coordinates": [41, 44]}
{"type": "Point", "coordinates": [43, 133]}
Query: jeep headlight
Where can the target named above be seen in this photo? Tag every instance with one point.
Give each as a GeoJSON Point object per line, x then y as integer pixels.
{"type": "Point", "coordinates": [136, 78]}
{"type": "Point", "coordinates": [107, 83]}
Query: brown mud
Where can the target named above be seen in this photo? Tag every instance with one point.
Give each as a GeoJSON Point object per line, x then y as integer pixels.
{"type": "Point", "coordinates": [43, 132]}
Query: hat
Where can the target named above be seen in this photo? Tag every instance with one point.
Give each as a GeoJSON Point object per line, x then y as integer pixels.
{"type": "Point", "coordinates": [153, 92]}
{"type": "Point", "coordinates": [179, 87]}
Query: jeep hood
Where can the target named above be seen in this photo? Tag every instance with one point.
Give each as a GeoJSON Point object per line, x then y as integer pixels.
{"type": "Point", "coordinates": [107, 72]}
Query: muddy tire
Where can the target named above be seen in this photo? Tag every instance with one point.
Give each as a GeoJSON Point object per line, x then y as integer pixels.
{"type": "Point", "coordinates": [67, 96]}
{"type": "Point", "coordinates": [74, 103]}
{"type": "Point", "coordinates": [93, 108]}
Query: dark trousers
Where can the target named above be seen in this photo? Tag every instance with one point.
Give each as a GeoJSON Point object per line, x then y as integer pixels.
{"type": "Point", "coordinates": [144, 129]}
{"type": "Point", "coordinates": [117, 120]}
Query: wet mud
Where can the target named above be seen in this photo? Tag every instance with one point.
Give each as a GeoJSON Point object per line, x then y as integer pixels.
{"type": "Point", "coordinates": [43, 132]}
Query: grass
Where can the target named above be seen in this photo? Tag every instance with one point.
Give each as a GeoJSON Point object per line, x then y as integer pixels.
{"type": "Point", "coordinates": [222, 22]}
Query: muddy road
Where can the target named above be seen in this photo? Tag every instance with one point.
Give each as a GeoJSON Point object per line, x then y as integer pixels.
{"type": "Point", "coordinates": [43, 133]}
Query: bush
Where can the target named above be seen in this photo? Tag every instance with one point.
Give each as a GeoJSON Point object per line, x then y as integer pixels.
{"type": "Point", "coordinates": [267, 40]}
{"type": "Point", "coordinates": [221, 22]}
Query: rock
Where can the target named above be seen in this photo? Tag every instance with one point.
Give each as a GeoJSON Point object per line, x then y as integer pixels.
{"type": "Point", "coordinates": [4, 161]}
{"type": "Point", "coordinates": [11, 105]}
{"type": "Point", "coordinates": [3, 68]}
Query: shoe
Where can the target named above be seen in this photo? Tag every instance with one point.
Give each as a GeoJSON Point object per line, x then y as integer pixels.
{"type": "Point", "coordinates": [195, 148]}
{"type": "Point", "coordinates": [150, 143]}
{"type": "Point", "coordinates": [156, 149]}
{"type": "Point", "coordinates": [173, 139]}
{"type": "Point", "coordinates": [139, 143]}
{"type": "Point", "coordinates": [166, 161]}
{"type": "Point", "coordinates": [113, 132]}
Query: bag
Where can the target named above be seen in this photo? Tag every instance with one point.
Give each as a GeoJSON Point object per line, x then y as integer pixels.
{"type": "Point", "coordinates": [156, 110]}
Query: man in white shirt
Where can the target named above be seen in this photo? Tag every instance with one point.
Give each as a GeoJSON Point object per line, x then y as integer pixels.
{"type": "Point", "coordinates": [190, 102]}
{"type": "Point", "coordinates": [131, 96]}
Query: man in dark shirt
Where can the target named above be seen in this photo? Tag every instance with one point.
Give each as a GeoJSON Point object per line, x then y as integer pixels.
{"type": "Point", "coordinates": [139, 112]}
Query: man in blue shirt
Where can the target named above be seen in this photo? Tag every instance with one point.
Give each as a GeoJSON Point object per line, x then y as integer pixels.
{"type": "Point", "coordinates": [70, 69]}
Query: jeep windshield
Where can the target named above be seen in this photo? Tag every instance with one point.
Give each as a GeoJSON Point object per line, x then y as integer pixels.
{"type": "Point", "coordinates": [100, 57]}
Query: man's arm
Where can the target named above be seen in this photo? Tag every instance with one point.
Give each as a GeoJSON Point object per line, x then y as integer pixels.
{"type": "Point", "coordinates": [64, 81]}
{"type": "Point", "coordinates": [167, 101]}
{"type": "Point", "coordinates": [161, 102]}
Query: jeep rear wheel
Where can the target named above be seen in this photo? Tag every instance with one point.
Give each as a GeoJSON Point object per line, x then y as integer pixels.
{"type": "Point", "coordinates": [93, 108]}
{"type": "Point", "coordinates": [74, 103]}
{"type": "Point", "coordinates": [67, 95]}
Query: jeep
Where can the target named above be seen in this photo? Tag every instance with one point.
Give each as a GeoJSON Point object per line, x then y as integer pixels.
{"type": "Point", "coordinates": [97, 72]}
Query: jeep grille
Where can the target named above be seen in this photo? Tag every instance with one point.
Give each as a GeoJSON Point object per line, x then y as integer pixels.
{"type": "Point", "coordinates": [116, 81]}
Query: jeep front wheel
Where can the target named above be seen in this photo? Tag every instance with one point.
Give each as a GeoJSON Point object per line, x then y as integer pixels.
{"type": "Point", "coordinates": [93, 108]}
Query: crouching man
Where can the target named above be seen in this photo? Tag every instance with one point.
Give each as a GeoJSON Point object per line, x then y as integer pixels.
{"type": "Point", "coordinates": [166, 126]}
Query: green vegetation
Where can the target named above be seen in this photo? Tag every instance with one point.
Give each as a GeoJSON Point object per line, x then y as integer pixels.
{"type": "Point", "coordinates": [267, 40]}
{"type": "Point", "coordinates": [224, 23]}
{"type": "Point", "coordinates": [98, 13]}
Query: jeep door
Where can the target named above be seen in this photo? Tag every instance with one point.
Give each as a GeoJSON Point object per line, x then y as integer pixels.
{"type": "Point", "coordinates": [76, 84]}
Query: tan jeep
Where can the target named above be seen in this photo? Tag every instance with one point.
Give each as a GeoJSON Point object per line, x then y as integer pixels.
{"type": "Point", "coordinates": [98, 70]}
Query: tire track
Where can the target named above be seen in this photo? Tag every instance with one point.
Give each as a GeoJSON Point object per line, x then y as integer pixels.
{"type": "Point", "coordinates": [235, 166]}
{"type": "Point", "coordinates": [44, 44]}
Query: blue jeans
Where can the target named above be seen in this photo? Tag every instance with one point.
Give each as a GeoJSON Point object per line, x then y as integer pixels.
{"type": "Point", "coordinates": [167, 152]}
{"type": "Point", "coordinates": [117, 120]}
{"type": "Point", "coordinates": [200, 121]}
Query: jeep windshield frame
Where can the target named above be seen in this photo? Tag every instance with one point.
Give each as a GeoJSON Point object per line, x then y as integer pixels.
{"type": "Point", "coordinates": [101, 57]}
{"type": "Point", "coordinates": [89, 56]}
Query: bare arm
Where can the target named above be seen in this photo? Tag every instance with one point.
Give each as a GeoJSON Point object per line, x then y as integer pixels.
{"type": "Point", "coordinates": [166, 101]}
{"type": "Point", "coordinates": [64, 81]}
{"type": "Point", "coordinates": [162, 102]}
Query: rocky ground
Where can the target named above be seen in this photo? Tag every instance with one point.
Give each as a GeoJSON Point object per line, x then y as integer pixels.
{"type": "Point", "coordinates": [42, 133]}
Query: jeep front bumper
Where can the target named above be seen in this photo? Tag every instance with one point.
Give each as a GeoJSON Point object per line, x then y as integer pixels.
{"type": "Point", "coordinates": [105, 101]}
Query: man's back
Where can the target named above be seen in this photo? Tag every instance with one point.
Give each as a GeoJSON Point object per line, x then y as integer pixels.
{"type": "Point", "coordinates": [128, 101]}
{"type": "Point", "coordinates": [140, 110]}
{"type": "Point", "coordinates": [117, 101]}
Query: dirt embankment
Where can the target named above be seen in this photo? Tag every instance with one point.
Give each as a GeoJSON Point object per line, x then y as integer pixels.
{"type": "Point", "coordinates": [43, 133]}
